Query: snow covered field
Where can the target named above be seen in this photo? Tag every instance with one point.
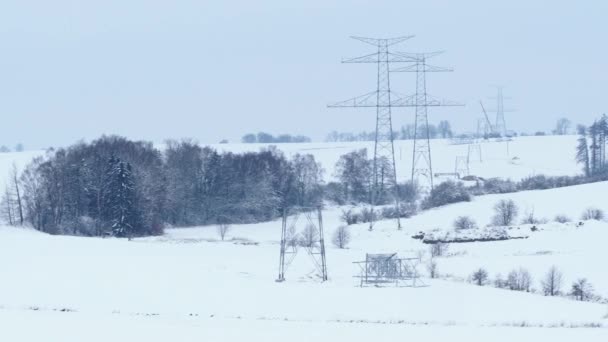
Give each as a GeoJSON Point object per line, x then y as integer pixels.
{"type": "Point", "coordinates": [517, 159]}
{"type": "Point", "coordinates": [188, 286]}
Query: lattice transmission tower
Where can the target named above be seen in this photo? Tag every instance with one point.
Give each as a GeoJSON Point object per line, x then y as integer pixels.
{"type": "Point", "coordinates": [501, 125]}
{"type": "Point", "coordinates": [383, 99]}
{"type": "Point", "coordinates": [422, 165]}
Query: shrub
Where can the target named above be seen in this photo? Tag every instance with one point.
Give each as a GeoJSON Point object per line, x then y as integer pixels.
{"type": "Point", "coordinates": [562, 219]}
{"type": "Point", "coordinates": [446, 193]}
{"type": "Point", "coordinates": [350, 217]}
{"type": "Point", "coordinates": [405, 210]}
{"type": "Point", "coordinates": [593, 214]}
{"type": "Point", "coordinates": [480, 277]}
{"type": "Point", "coordinates": [464, 222]}
{"type": "Point", "coordinates": [408, 192]}
{"type": "Point", "coordinates": [341, 237]}
{"type": "Point", "coordinates": [505, 213]}
{"type": "Point", "coordinates": [529, 218]}
{"type": "Point", "coordinates": [499, 186]}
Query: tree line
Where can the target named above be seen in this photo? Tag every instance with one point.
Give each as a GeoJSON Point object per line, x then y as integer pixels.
{"type": "Point", "coordinates": [442, 130]}
{"type": "Point", "coordinates": [114, 186]}
{"type": "Point", "coordinates": [267, 138]}
{"type": "Point", "coordinates": [591, 147]}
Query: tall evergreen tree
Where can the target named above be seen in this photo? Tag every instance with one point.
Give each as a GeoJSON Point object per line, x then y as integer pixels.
{"type": "Point", "coordinates": [582, 151]}
{"type": "Point", "coordinates": [122, 199]}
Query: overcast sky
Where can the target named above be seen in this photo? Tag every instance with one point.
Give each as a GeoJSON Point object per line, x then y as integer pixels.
{"type": "Point", "coordinates": [153, 70]}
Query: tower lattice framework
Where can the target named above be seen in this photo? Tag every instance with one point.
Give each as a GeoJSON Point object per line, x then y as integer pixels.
{"type": "Point", "coordinates": [383, 99]}
{"type": "Point", "coordinates": [422, 165]}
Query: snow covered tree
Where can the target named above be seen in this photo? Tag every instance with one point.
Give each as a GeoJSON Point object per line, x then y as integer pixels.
{"type": "Point", "coordinates": [445, 130]}
{"type": "Point", "coordinates": [480, 277]}
{"type": "Point", "coordinates": [552, 283]}
{"type": "Point", "coordinates": [562, 126]}
{"type": "Point", "coordinates": [505, 213]}
{"type": "Point", "coordinates": [355, 172]}
{"type": "Point", "coordinates": [341, 237]}
{"type": "Point", "coordinates": [582, 151]}
{"type": "Point", "coordinates": [464, 222]}
{"type": "Point", "coordinates": [121, 199]}
{"type": "Point", "coordinates": [582, 290]}
{"type": "Point", "coordinates": [222, 230]}
{"type": "Point", "coordinates": [519, 280]}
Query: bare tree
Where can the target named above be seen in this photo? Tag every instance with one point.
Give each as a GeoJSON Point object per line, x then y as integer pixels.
{"type": "Point", "coordinates": [562, 127]}
{"type": "Point", "coordinates": [505, 212]}
{"type": "Point", "coordinates": [309, 236]}
{"type": "Point", "coordinates": [439, 249]}
{"type": "Point", "coordinates": [582, 290]}
{"type": "Point", "coordinates": [17, 191]}
{"type": "Point", "coordinates": [341, 237]}
{"type": "Point", "coordinates": [222, 230]}
{"type": "Point", "coordinates": [593, 214]}
{"type": "Point", "coordinates": [480, 277]}
{"type": "Point", "coordinates": [552, 283]}
{"type": "Point", "coordinates": [432, 268]}
{"type": "Point", "coordinates": [465, 222]}
{"type": "Point", "coordinates": [519, 280]}
{"type": "Point", "coordinates": [7, 207]}
{"type": "Point", "coordinates": [529, 217]}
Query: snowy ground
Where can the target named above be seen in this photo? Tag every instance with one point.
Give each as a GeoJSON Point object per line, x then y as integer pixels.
{"type": "Point", "coordinates": [188, 286]}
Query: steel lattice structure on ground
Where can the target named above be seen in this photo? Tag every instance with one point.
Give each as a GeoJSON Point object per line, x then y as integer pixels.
{"type": "Point", "coordinates": [291, 244]}
{"type": "Point", "coordinates": [421, 159]}
{"type": "Point", "coordinates": [388, 268]}
{"type": "Point", "coordinates": [383, 99]}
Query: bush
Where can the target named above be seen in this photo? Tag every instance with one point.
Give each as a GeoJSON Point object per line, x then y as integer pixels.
{"type": "Point", "coordinates": [405, 210]}
{"type": "Point", "coordinates": [529, 218]}
{"type": "Point", "coordinates": [562, 219]}
{"type": "Point", "coordinates": [368, 215]}
{"type": "Point", "coordinates": [498, 186]}
{"type": "Point", "coordinates": [480, 277]}
{"type": "Point", "coordinates": [593, 214]}
{"type": "Point", "coordinates": [408, 192]}
{"type": "Point", "coordinates": [505, 213]}
{"type": "Point", "coordinates": [341, 237]}
{"type": "Point", "coordinates": [350, 217]}
{"type": "Point", "coordinates": [464, 222]}
{"type": "Point", "coordinates": [446, 193]}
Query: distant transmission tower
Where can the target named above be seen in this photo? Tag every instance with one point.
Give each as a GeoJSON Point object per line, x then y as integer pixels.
{"type": "Point", "coordinates": [421, 160]}
{"type": "Point", "coordinates": [501, 126]}
{"type": "Point", "coordinates": [383, 99]}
